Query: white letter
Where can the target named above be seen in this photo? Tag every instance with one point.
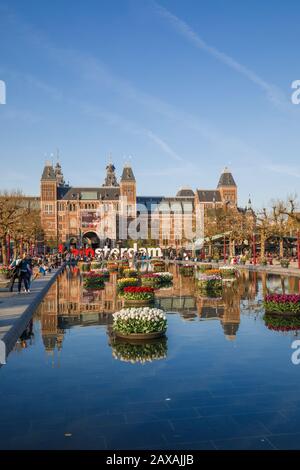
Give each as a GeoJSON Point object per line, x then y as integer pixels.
{"type": "Point", "coordinates": [295, 356]}
{"type": "Point", "coordinates": [2, 92]}
{"type": "Point", "coordinates": [295, 96]}
{"type": "Point", "coordinates": [2, 352]}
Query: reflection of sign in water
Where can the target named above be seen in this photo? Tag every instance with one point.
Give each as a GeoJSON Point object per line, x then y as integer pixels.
{"type": "Point", "coordinates": [2, 352]}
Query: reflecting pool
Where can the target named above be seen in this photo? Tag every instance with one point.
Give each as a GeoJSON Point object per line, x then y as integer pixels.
{"type": "Point", "coordinates": [221, 379]}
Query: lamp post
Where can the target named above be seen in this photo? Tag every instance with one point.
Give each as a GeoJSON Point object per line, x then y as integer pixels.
{"type": "Point", "coordinates": [254, 249]}
{"type": "Point", "coordinates": [8, 247]}
{"type": "Point", "coordinates": [224, 249]}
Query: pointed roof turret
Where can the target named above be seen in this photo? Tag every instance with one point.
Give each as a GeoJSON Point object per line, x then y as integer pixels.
{"type": "Point", "coordinates": [110, 179]}
{"type": "Point", "coordinates": [226, 179]}
{"type": "Point", "coordinates": [59, 174]}
{"type": "Point", "coordinates": [48, 172]}
{"type": "Point", "coordinates": [127, 174]}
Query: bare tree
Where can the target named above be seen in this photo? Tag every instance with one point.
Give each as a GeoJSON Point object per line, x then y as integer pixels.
{"type": "Point", "coordinates": [11, 213]}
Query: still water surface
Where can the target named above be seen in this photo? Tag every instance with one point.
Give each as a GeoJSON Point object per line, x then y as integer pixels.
{"type": "Point", "coordinates": [221, 379]}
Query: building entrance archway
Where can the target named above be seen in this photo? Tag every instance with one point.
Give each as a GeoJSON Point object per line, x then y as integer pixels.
{"type": "Point", "coordinates": [90, 240]}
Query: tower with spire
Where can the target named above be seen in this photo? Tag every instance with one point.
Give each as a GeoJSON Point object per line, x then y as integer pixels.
{"type": "Point", "coordinates": [49, 201]}
{"type": "Point", "coordinates": [59, 175]}
{"type": "Point", "coordinates": [128, 189]}
{"type": "Point", "coordinates": [110, 179]}
{"type": "Point", "coordinates": [227, 188]}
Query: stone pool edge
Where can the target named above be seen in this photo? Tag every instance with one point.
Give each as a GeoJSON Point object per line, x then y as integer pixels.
{"type": "Point", "coordinates": [10, 338]}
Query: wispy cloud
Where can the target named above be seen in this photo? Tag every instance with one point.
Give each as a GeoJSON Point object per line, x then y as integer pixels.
{"type": "Point", "coordinates": [286, 170]}
{"type": "Point", "coordinates": [130, 127]}
{"type": "Point", "coordinates": [273, 93]}
{"type": "Point", "coordinates": [93, 69]}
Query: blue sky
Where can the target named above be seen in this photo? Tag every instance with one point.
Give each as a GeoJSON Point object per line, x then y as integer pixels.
{"type": "Point", "coordinates": [179, 88]}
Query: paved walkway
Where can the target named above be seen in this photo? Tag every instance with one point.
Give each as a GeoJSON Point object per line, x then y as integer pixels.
{"type": "Point", "coordinates": [16, 311]}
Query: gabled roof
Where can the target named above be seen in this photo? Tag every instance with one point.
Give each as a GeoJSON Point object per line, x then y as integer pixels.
{"type": "Point", "coordinates": [127, 174]}
{"type": "Point", "coordinates": [105, 193]}
{"type": "Point", "coordinates": [185, 192]}
{"type": "Point", "coordinates": [226, 179]}
{"type": "Point", "coordinates": [207, 195]}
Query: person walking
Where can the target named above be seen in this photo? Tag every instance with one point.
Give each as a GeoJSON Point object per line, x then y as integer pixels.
{"type": "Point", "coordinates": [24, 273]}
{"type": "Point", "coordinates": [15, 272]}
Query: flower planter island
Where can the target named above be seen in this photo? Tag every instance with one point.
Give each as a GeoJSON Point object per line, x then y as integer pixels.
{"type": "Point", "coordinates": [126, 282]}
{"type": "Point", "coordinates": [187, 270]}
{"type": "Point", "coordinates": [165, 278]}
{"type": "Point", "coordinates": [150, 280]}
{"type": "Point", "coordinates": [93, 280]}
{"type": "Point", "coordinates": [158, 266]}
{"type": "Point", "coordinates": [137, 295]}
{"type": "Point", "coordinates": [210, 285]}
{"type": "Point", "coordinates": [282, 304]}
{"type": "Point", "coordinates": [228, 272]}
{"type": "Point", "coordinates": [139, 323]}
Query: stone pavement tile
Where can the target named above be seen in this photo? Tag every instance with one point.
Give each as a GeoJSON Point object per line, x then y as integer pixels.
{"type": "Point", "coordinates": [146, 416]}
{"type": "Point", "coordinates": [274, 422]}
{"type": "Point", "coordinates": [58, 441]}
{"type": "Point", "coordinates": [285, 441]}
{"type": "Point", "coordinates": [103, 419]}
{"type": "Point", "coordinates": [245, 443]}
{"type": "Point", "coordinates": [124, 406]}
{"type": "Point", "coordinates": [130, 436]}
{"type": "Point", "coordinates": [212, 428]}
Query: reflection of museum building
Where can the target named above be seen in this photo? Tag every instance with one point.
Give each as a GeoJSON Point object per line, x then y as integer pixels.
{"type": "Point", "coordinates": [72, 214]}
{"type": "Point", "coordinates": [68, 304]}
{"type": "Point", "coordinates": [182, 298]}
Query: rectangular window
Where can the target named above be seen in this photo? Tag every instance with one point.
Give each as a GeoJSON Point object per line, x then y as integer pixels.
{"type": "Point", "coordinates": [48, 209]}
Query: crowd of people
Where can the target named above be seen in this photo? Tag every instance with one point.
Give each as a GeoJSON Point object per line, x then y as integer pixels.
{"type": "Point", "coordinates": [24, 269]}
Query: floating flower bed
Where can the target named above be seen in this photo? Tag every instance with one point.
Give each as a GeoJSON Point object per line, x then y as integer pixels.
{"type": "Point", "coordinates": [123, 262]}
{"type": "Point", "coordinates": [151, 280]}
{"type": "Point", "coordinates": [104, 272]}
{"type": "Point", "coordinates": [282, 304]}
{"type": "Point", "coordinates": [126, 282]}
{"type": "Point", "coordinates": [97, 272]}
{"type": "Point", "coordinates": [204, 267]}
{"type": "Point", "coordinates": [279, 323]}
{"type": "Point", "coordinates": [129, 272]}
{"type": "Point", "coordinates": [165, 278]}
{"type": "Point", "coordinates": [85, 267]}
{"type": "Point", "coordinates": [140, 353]}
{"type": "Point", "coordinates": [212, 272]}
{"type": "Point", "coordinates": [138, 295]}
{"type": "Point", "coordinates": [210, 285]}
{"type": "Point", "coordinates": [113, 267]}
{"type": "Point", "coordinates": [186, 271]}
{"type": "Point", "coordinates": [93, 281]}
{"type": "Point", "coordinates": [139, 322]}
{"type": "Point", "coordinates": [228, 272]}
{"type": "Point", "coordinates": [158, 266]}
{"type": "Point", "coordinates": [95, 265]}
